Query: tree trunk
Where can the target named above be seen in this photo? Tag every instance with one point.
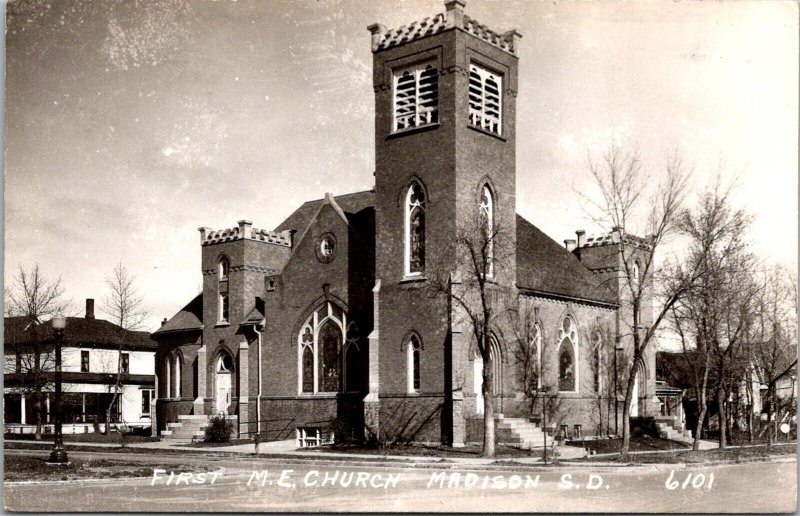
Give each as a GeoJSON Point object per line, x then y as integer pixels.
{"type": "Point", "coordinates": [750, 422]}
{"type": "Point", "coordinates": [38, 411]}
{"type": "Point", "coordinates": [110, 408]}
{"type": "Point", "coordinates": [721, 417]}
{"type": "Point", "coordinates": [699, 426]}
{"type": "Point", "coordinates": [626, 412]}
{"type": "Point", "coordinates": [488, 408]}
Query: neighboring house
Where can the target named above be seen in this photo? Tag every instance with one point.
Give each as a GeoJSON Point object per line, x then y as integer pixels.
{"type": "Point", "coordinates": [90, 360]}
{"type": "Point", "coordinates": [324, 324]}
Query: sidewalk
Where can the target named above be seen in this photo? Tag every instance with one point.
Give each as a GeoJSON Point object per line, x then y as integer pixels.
{"type": "Point", "coordinates": [288, 449]}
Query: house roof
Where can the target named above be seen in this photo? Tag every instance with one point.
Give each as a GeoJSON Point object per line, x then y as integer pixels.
{"type": "Point", "coordinates": [79, 330]}
{"type": "Point", "coordinates": [545, 267]}
{"type": "Point", "coordinates": [349, 203]}
{"type": "Point", "coordinates": [188, 318]}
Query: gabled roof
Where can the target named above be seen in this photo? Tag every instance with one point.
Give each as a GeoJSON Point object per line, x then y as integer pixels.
{"type": "Point", "coordinates": [545, 267]}
{"type": "Point", "coordinates": [188, 318]}
{"type": "Point", "coordinates": [349, 203]}
{"type": "Point", "coordinates": [79, 330]}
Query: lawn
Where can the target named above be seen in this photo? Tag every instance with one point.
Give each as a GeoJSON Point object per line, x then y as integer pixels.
{"type": "Point", "coordinates": [94, 437]}
{"type": "Point", "coordinates": [469, 451]}
{"type": "Point", "coordinates": [18, 469]}
{"type": "Point", "coordinates": [638, 443]}
{"type": "Point", "coordinates": [703, 456]}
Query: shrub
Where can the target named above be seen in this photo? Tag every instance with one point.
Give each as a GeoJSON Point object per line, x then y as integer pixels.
{"type": "Point", "coordinates": [219, 430]}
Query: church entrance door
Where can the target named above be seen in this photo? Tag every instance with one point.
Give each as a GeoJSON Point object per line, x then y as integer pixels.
{"type": "Point", "coordinates": [224, 382]}
{"type": "Point", "coordinates": [635, 398]}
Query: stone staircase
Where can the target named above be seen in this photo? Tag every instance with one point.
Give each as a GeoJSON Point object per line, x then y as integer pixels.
{"type": "Point", "coordinates": [518, 431]}
{"type": "Point", "coordinates": [190, 428]}
{"type": "Point", "coordinates": [670, 428]}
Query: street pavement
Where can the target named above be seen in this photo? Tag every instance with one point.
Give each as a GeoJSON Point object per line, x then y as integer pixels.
{"type": "Point", "coordinates": [297, 485]}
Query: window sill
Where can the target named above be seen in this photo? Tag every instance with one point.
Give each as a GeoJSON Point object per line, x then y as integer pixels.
{"type": "Point", "coordinates": [484, 131]}
{"type": "Point", "coordinates": [319, 395]}
{"type": "Point", "coordinates": [222, 324]}
{"type": "Point", "coordinates": [413, 130]}
{"type": "Point", "coordinates": [413, 279]}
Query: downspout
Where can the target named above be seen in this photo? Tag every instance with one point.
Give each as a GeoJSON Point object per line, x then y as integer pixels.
{"type": "Point", "coordinates": [258, 404]}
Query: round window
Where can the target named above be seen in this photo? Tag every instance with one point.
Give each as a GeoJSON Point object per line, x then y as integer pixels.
{"type": "Point", "coordinates": [326, 248]}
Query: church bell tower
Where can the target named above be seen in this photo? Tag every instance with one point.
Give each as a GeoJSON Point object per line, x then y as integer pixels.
{"type": "Point", "coordinates": [445, 102]}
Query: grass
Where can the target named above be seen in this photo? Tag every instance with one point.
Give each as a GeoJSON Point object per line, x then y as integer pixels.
{"type": "Point", "coordinates": [688, 456]}
{"type": "Point", "coordinates": [94, 437]}
{"type": "Point", "coordinates": [638, 443]}
{"type": "Point", "coordinates": [418, 450]}
{"type": "Point", "coordinates": [21, 468]}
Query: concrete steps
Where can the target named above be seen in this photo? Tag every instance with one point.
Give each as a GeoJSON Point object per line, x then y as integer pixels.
{"type": "Point", "coordinates": [190, 427]}
{"type": "Point", "coordinates": [518, 432]}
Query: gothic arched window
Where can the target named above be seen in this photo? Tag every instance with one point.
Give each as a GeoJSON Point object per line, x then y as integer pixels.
{"type": "Point", "coordinates": [320, 343]}
{"type": "Point", "coordinates": [567, 356]}
{"type": "Point", "coordinates": [415, 230]}
{"type": "Point", "coordinates": [416, 97]}
{"type": "Point", "coordinates": [412, 360]}
{"type": "Point", "coordinates": [176, 377]}
{"type": "Point", "coordinates": [597, 362]}
{"type": "Point", "coordinates": [352, 360]}
{"type": "Point", "coordinates": [486, 214]}
{"type": "Point", "coordinates": [485, 99]}
{"type": "Point", "coordinates": [224, 266]}
{"type": "Point", "coordinates": [535, 358]}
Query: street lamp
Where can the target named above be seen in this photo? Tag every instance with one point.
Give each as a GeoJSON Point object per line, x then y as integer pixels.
{"type": "Point", "coordinates": [58, 457]}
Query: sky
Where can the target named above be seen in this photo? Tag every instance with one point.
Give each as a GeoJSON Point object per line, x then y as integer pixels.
{"type": "Point", "coordinates": [128, 125]}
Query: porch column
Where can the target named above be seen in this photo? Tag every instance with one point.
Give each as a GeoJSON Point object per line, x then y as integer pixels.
{"type": "Point", "coordinates": [83, 407]}
{"type": "Point", "coordinates": [244, 389]}
{"type": "Point", "coordinates": [202, 387]}
{"type": "Point", "coordinates": [23, 410]}
{"type": "Point", "coordinates": [47, 407]}
{"type": "Point", "coordinates": [372, 401]}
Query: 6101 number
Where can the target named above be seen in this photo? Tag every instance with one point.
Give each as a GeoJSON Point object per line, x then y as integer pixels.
{"type": "Point", "coordinates": [692, 480]}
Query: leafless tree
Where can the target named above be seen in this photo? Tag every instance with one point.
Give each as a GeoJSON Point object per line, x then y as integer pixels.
{"type": "Point", "coordinates": [624, 205]}
{"type": "Point", "coordinates": [33, 298]}
{"type": "Point", "coordinates": [475, 286]}
{"type": "Point", "coordinates": [773, 346]}
{"type": "Point", "coordinates": [715, 314]}
{"type": "Point", "coordinates": [124, 305]}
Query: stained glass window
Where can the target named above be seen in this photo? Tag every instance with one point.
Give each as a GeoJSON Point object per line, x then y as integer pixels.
{"type": "Point", "coordinates": [413, 364]}
{"type": "Point", "coordinates": [486, 214]}
{"type": "Point", "coordinates": [330, 343]}
{"type": "Point", "coordinates": [415, 230]}
{"type": "Point", "coordinates": [308, 369]}
{"type": "Point", "coordinates": [567, 361]}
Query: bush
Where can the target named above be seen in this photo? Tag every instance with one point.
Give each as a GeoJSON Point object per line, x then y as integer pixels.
{"type": "Point", "coordinates": [219, 430]}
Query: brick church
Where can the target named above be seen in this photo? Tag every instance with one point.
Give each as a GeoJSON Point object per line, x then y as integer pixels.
{"type": "Point", "coordinates": [326, 325]}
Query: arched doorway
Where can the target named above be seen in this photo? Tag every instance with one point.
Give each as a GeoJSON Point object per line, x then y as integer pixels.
{"type": "Point", "coordinates": [224, 381]}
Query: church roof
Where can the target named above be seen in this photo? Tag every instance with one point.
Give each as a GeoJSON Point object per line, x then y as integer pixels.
{"type": "Point", "coordinates": [189, 318]}
{"type": "Point", "coordinates": [349, 203]}
{"type": "Point", "coordinates": [545, 267]}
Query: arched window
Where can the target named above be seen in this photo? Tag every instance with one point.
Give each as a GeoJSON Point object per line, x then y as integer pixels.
{"type": "Point", "coordinates": [567, 356]}
{"type": "Point", "coordinates": [497, 372]}
{"type": "Point", "coordinates": [487, 225]}
{"type": "Point", "coordinates": [415, 231]}
{"type": "Point", "coordinates": [597, 362]}
{"type": "Point", "coordinates": [635, 274]}
{"type": "Point", "coordinates": [222, 290]}
{"type": "Point", "coordinates": [485, 99]}
{"type": "Point", "coordinates": [416, 97]}
{"type": "Point", "coordinates": [224, 266]}
{"type": "Point", "coordinates": [176, 368]}
{"type": "Point", "coordinates": [535, 358]}
{"type": "Point", "coordinates": [412, 360]}
{"type": "Point", "coordinates": [167, 383]}
{"type": "Point", "coordinates": [320, 352]}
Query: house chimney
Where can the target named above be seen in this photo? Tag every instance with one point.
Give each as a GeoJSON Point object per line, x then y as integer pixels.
{"type": "Point", "coordinates": [581, 234]}
{"type": "Point", "coordinates": [163, 322]}
{"type": "Point", "coordinates": [569, 244]}
{"type": "Point", "coordinates": [90, 308]}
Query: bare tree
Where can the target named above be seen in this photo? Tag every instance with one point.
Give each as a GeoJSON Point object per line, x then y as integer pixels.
{"type": "Point", "coordinates": [475, 287]}
{"type": "Point", "coordinates": [33, 298]}
{"type": "Point", "coordinates": [124, 305]}
{"type": "Point", "coordinates": [624, 206]}
{"type": "Point", "coordinates": [717, 310]}
{"type": "Point", "coordinates": [773, 347]}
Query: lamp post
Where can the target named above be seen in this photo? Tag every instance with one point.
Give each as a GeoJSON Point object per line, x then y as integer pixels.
{"type": "Point", "coordinates": [543, 390]}
{"type": "Point", "coordinates": [58, 456]}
